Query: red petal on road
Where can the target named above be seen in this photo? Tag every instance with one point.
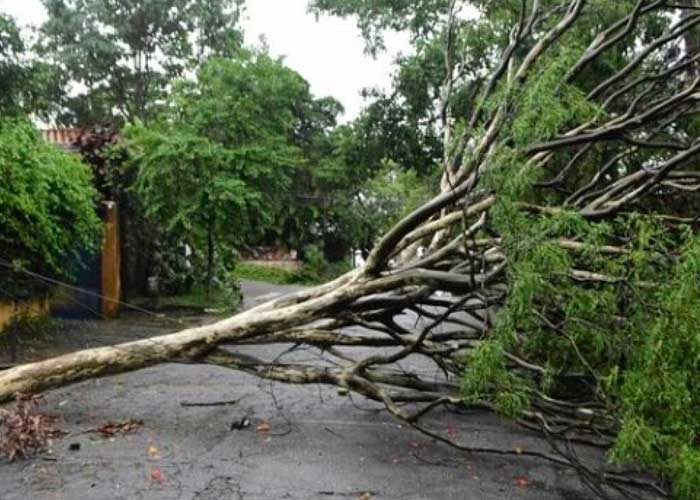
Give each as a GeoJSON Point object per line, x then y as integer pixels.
{"type": "Point", "coordinates": [157, 475]}
{"type": "Point", "coordinates": [522, 481]}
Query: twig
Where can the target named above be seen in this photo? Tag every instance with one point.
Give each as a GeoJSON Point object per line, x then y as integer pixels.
{"type": "Point", "coordinates": [189, 404]}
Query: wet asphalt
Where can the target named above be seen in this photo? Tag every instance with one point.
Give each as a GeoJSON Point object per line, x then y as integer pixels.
{"type": "Point", "coordinates": [301, 442]}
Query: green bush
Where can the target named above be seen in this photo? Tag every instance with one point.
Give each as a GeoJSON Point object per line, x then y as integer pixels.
{"type": "Point", "coordinates": [269, 274]}
{"type": "Point", "coordinates": [316, 269]}
{"type": "Point", "coordinates": [47, 205]}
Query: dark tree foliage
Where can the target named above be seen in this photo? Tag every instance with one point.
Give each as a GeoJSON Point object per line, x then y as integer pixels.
{"type": "Point", "coordinates": [104, 150]}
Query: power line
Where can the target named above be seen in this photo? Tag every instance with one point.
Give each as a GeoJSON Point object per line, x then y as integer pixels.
{"type": "Point", "coordinates": [47, 279]}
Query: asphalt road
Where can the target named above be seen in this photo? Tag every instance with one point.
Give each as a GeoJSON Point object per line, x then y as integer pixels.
{"type": "Point", "coordinates": [319, 445]}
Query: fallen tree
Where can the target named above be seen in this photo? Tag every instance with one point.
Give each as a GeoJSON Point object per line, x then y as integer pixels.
{"type": "Point", "coordinates": [560, 283]}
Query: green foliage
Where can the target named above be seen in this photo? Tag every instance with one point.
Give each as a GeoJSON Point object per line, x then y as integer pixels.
{"type": "Point", "coordinates": [47, 203]}
{"type": "Point", "coordinates": [193, 185]}
{"type": "Point", "coordinates": [26, 85]}
{"type": "Point", "coordinates": [486, 377]}
{"type": "Point", "coordinates": [316, 269]}
{"type": "Point", "coordinates": [373, 18]}
{"type": "Point", "coordinates": [547, 105]}
{"type": "Point", "coordinates": [391, 194]}
{"type": "Point", "coordinates": [389, 129]}
{"type": "Point", "coordinates": [125, 54]}
{"type": "Point", "coordinates": [643, 366]}
{"type": "Point", "coordinates": [634, 336]}
{"type": "Point", "coordinates": [660, 391]}
{"type": "Point", "coordinates": [353, 212]}
{"type": "Point", "coordinates": [216, 166]}
{"type": "Point", "coordinates": [267, 273]}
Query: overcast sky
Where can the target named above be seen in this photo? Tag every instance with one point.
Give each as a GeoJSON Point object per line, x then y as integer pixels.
{"type": "Point", "coordinates": [329, 52]}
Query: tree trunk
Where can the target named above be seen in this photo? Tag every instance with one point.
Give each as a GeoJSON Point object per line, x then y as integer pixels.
{"type": "Point", "coordinates": [210, 258]}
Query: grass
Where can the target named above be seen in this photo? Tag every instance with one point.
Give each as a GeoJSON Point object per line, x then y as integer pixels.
{"type": "Point", "coordinates": [223, 301]}
{"type": "Point", "coordinates": [268, 274]}
{"type": "Point", "coordinates": [31, 330]}
{"type": "Point", "coordinates": [307, 274]}
{"type": "Point", "coordinates": [195, 299]}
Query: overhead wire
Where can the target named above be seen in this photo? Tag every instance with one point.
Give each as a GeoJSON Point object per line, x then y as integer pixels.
{"type": "Point", "coordinates": [46, 279]}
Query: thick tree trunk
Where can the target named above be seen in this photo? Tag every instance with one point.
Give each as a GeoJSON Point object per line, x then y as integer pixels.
{"type": "Point", "coordinates": [185, 345]}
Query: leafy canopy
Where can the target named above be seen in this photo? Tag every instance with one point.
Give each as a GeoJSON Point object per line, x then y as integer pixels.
{"type": "Point", "coordinates": [27, 85]}
{"type": "Point", "coordinates": [120, 56]}
{"type": "Point", "coordinates": [47, 204]}
{"type": "Point", "coordinates": [216, 164]}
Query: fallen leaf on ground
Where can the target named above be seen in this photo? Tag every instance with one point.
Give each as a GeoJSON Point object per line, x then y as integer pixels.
{"type": "Point", "coordinates": [365, 496]}
{"type": "Point", "coordinates": [157, 476]}
{"type": "Point", "coordinates": [263, 427]}
{"type": "Point", "coordinates": [112, 428]}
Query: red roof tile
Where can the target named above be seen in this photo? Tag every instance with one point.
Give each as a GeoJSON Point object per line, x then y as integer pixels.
{"type": "Point", "coordinates": [64, 137]}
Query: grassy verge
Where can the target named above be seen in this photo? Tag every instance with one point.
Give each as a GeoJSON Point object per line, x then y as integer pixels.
{"type": "Point", "coordinates": [307, 274]}
{"type": "Point", "coordinates": [268, 274]}
{"type": "Point", "coordinates": [195, 299]}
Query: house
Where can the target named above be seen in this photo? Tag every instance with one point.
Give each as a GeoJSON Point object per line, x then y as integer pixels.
{"type": "Point", "coordinates": [64, 137]}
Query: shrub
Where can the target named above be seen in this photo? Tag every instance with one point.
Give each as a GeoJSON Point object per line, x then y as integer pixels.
{"type": "Point", "coordinates": [47, 205]}
{"type": "Point", "coordinates": [316, 269]}
{"type": "Point", "coordinates": [260, 272]}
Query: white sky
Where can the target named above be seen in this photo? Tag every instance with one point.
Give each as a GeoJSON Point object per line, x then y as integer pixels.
{"type": "Point", "coordinates": [328, 53]}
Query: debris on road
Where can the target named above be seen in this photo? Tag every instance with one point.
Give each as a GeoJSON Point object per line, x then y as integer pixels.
{"type": "Point", "coordinates": [111, 429]}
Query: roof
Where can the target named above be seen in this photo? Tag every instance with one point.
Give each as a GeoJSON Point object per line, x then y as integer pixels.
{"type": "Point", "coordinates": [64, 137]}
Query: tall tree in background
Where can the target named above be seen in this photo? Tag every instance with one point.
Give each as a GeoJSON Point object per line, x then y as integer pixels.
{"type": "Point", "coordinates": [27, 85]}
{"type": "Point", "coordinates": [120, 55]}
{"type": "Point", "coordinates": [217, 164]}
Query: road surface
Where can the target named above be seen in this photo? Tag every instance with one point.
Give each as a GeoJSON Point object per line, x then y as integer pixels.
{"type": "Point", "coordinates": [320, 445]}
